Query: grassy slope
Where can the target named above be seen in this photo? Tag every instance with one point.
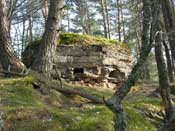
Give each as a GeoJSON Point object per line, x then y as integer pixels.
{"type": "Point", "coordinates": [24, 109]}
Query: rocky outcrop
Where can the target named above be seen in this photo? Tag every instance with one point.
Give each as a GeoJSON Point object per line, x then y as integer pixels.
{"type": "Point", "coordinates": [93, 63]}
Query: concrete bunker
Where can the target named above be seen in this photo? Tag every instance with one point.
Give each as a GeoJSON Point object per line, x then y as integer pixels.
{"type": "Point", "coordinates": [88, 59]}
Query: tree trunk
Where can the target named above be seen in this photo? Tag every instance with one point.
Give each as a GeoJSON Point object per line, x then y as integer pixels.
{"type": "Point", "coordinates": [44, 61]}
{"type": "Point", "coordinates": [118, 20]}
{"type": "Point", "coordinates": [83, 12]}
{"type": "Point", "coordinates": [138, 42]}
{"type": "Point", "coordinates": [123, 21]}
{"type": "Point", "coordinates": [114, 103]}
{"type": "Point", "coordinates": [145, 75]}
{"type": "Point", "coordinates": [7, 54]}
{"type": "Point", "coordinates": [10, 11]}
{"type": "Point", "coordinates": [107, 18]}
{"type": "Point", "coordinates": [169, 62]}
{"type": "Point", "coordinates": [169, 20]}
{"type": "Point", "coordinates": [105, 21]}
{"type": "Point", "coordinates": [23, 40]}
{"type": "Point", "coordinates": [45, 10]}
{"type": "Point", "coordinates": [88, 17]}
{"type": "Point", "coordinates": [163, 77]}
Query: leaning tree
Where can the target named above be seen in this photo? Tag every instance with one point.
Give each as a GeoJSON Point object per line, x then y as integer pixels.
{"type": "Point", "coordinates": [44, 61]}
{"type": "Point", "coordinates": [8, 57]}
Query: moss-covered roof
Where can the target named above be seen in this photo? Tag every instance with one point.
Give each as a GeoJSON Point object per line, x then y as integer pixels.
{"type": "Point", "coordinates": [78, 39]}
{"type": "Point", "coordinates": [73, 39]}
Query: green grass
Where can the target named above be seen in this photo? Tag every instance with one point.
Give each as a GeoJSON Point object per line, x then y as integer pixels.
{"type": "Point", "coordinates": [25, 109]}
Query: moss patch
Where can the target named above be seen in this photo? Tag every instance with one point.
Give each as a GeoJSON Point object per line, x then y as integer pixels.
{"type": "Point", "coordinates": [25, 109]}
{"type": "Point", "coordinates": [78, 39]}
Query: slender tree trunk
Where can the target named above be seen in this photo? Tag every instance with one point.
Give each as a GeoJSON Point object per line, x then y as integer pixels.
{"type": "Point", "coordinates": [145, 75]}
{"type": "Point", "coordinates": [163, 77]}
{"type": "Point", "coordinates": [123, 24]}
{"type": "Point", "coordinates": [10, 11]}
{"type": "Point", "coordinates": [105, 23]}
{"type": "Point", "coordinates": [29, 10]}
{"type": "Point", "coordinates": [107, 18]}
{"type": "Point", "coordinates": [173, 66]}
{"type": "Point", "coordinates": [169, 62]}
{"type": "Point", "coordinates": [82, 13]}
{"type": "Point", "coordinates": [68, 21]}
{"type": "Point", "coordinates": [23, 35]}
{"type": "Point", "coordinates": [164, 83]}
{"type": "Point", "coordinates": [44, 61]}
{"type": "Point", "coordinates": [114, 103]}
{"type": "Point", "coordinates": [139, 41]}
{"type": "Point", "coordinates": [164, 88]}
{"type": "Point", "coordinates": [7, 54]}
{"type": "Point", "coordinates": [45, 10]}
{"type": "Point", "coordinates": [88, 23]}
{"type": "Point", "coordinates": [118, 20]}
{"type": "Point", "coordinates": [169, 20]}
{"type": "Point", "coordinates": [30, 30]}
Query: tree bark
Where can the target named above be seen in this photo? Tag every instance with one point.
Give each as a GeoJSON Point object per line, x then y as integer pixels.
{"type": "Point", "coordinates": [7, 54]}
{"type": "Point", "coordinates": [84, 16]}
{"type": "Point", "coordinates": [114, 103]}
{"type": "Point", "coordinates": [123, 21]}
{"type": "Point", "coordinates": [44, 61]}
{"type": "Point", "coordinates": [169, 62]}
{"type": "Point", "coordinates": [45, 10]}
{"type": "Point", "coordinates": [163, 77]}
{"type": "Point", "coordinates": [118, 20]}
{"type": "Point", "coordinates": [30, 13]}
{"type": "Point", "coordinates": [169, 20]}
{"type": "Point", "coordinates": [105, 19]}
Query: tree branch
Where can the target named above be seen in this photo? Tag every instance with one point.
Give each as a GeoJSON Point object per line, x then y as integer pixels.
{"type": "Point", "coordinates": [51, 84]}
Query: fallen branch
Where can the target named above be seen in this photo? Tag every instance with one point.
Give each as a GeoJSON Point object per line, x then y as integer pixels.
{"type": "Point", "coordinates": [51, 84]}
{"type": "Point", "coordinates": [93, 98]}
{"type": "Point", "coordinates": [7, 73]}
{"type": "Point", "coordinates": [54, 85]}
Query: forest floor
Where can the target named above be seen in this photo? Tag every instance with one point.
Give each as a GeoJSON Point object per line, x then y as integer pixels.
{"type": "Point", "coordinates": [23, 108]}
